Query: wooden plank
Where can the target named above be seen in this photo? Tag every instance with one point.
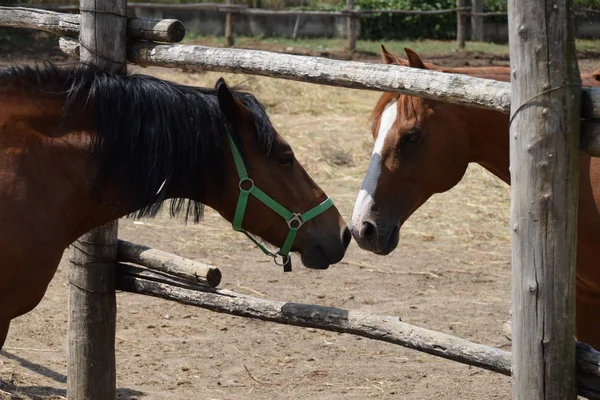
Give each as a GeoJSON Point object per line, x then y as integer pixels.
{"type": "Point", "coordinates": [190, 270]}
{"type": "Point", "coordinates": [477, 31]}
{"type": "Point", "coordinates": [91, 366]}
{"type": "Point", "coordinates": [166, 30]}
{"type": "Point", "coordinates": [544, 191]}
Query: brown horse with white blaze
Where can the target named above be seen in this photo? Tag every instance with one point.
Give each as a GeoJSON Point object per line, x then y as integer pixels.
{"type": "Point", "coordinates": [423, 147]}
{"type": "Point", "coordinates": [80, 147]}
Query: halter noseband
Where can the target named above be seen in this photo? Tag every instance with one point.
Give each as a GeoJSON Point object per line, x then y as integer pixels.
{"type": "Point", "coordinates": [294, 220]}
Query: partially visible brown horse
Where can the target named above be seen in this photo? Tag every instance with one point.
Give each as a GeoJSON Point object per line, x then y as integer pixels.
{"type": "Point", "coordinates": [423, 147]}
{"type": "Point", "coordinates": [80, 147]}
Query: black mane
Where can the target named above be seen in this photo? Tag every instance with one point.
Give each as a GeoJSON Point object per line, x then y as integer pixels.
{"type": "Point", "coordinates": [147, 131]}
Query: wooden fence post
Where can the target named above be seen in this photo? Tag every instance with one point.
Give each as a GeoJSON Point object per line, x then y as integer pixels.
{"type": "Point", "coordinates": [477, 34]}
{"type": "Point", "coordinates": [461, 25]}
{"type": "Point", "coordinates": [544, 138]}
{"type": "Point", "coordinates": [351, 26]}
{"type": "Point", "coordinates": [229, 26]}
{"type": "Point", "coordinates": [92, 304]}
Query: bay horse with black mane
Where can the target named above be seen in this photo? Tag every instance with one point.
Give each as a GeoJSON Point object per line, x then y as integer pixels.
{"type": "Point", "coordinates": [423, 147]}
{"type": "Point", "coordinates": [80, 147]}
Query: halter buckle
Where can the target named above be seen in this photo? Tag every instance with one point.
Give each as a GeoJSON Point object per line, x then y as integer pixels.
{"type": "Point", "coordinates": [295, 222]}
{"type": "Point", "coordinates": [286, 262]}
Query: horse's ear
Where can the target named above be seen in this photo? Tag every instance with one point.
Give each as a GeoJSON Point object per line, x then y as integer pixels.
{"type": "Point", "coordinates": [386, 56]}
{"type": "Point", "coordinates": [227, 103]}
{"type": "Point", "coordinates": [413, 59]}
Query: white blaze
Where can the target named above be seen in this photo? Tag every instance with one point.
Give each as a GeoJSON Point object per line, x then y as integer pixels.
{"type": "Point", "coordinates": [363, 204]}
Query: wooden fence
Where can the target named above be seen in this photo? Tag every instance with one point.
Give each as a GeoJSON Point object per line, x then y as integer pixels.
{"type": "Point", "coordinates": [544, 365]}
{"type": "Point", "coordinates": [353, 16]}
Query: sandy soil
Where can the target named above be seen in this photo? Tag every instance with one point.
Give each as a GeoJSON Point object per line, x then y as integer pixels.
{"type": "Point", "coordinates": [451, 273]}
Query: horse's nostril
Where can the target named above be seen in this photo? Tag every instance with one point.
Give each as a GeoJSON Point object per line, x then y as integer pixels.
{"type": "Point", "coordinates": [346, 237]}
{"type": "Point", "coordinates": [368, 230]}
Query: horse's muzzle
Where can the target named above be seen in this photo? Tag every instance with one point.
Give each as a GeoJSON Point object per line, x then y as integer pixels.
{"type": "Point", "coordinates": [371, 237]}
{"type": "Point", "coordinates": [324, 253]}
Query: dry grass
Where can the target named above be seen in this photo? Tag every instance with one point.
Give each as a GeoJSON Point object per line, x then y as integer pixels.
{"type": "Point", "coordinates": [328, 128]}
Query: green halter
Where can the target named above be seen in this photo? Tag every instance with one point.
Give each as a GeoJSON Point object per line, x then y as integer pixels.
{"type": "Point", "coordinates": [294, 220]}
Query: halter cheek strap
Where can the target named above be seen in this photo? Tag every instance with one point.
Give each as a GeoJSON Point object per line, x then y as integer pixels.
{"type": "Point", "coordinates": [294, 220]}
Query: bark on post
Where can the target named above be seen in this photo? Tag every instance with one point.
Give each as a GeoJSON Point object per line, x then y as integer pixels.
{"type": "Point", "coordinates": [477, 21]}
{"type": "Point", "coordinates": [92, 315]}
{"type": "Point", "coordinates": [351, 26]}
{"type": "Point", "coordinates": [544, 177]}
{"type": "Point", "coordinates": [461, 24]}
{"type": "Point", "coordinates": [229, 27]}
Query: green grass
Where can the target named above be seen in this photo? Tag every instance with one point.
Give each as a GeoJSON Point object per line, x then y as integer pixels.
{"type": "Point", "coordinates": [395, 46]}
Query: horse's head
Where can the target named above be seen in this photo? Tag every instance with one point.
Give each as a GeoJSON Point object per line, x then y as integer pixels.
{"type": "Point", "coordinates": [274, 173]}
{"type": "Point", "coordinates": [419, 150]}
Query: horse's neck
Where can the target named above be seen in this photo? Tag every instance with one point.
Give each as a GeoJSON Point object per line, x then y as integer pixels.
{"type": "Point", "coordinates": [488, 130]}
{"type": "Point", "coordinates": [488, 138]}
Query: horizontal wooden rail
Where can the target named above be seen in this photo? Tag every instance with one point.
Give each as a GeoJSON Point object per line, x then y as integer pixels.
{"type": "Point", "coordinates": [343, 13]}
{"type": "Point", "coordinates": [383, 328]}
{"type": "Point", "coordinates": [165, 30]}
{"type": "Point", "coordinates": [451, 88]}
{"type": "Point", "coordinates": [155, 6]}
{"type": "Point", "coordinates": [244, 9]}
{"type": "Point", "coordinates": [188, 6]}
{"type": "Point", "coordinates": [157, 260]}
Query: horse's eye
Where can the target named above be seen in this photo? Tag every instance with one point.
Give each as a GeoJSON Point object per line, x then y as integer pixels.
{"type": "Point", "coordinates": [411, 136]}
{"type": "Point", "coordinates": [286, 159]}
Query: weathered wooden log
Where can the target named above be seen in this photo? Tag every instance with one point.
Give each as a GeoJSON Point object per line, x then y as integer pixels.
{"type": "Point", "coordinates": [91, 368]}
{"type": "Point", "coordinates": [544, 166]}
{"type": "Point", "coordinates": [451, 88]}
{"type": "Point", "coordinates": [160, 30]}
{"type": "Point", "coordinates": [152, 6]}
{"type": "Point", "coordinates": [92, 315]}
{"type": "Point", "coordinates": [388, 329]}
{"type": "Point", "coordinates": [188, 6]}
{"type": "Point", "coordinates": [341, 13]}
{"type": "Point", "coordinates": [384, 328]}
{"type": "Point", "coordinates": [461, 26]}
{"type": "Point", "coordinates": [190, 270]}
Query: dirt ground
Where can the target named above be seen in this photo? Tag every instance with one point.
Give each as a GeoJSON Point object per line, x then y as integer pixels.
{"type": "Point", "coordinates": [451, 273]}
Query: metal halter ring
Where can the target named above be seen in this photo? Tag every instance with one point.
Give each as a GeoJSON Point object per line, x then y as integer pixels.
{"type": "Point", "coordinates": [284, 259]}
{"type": "Point", "coordinates": [242, 181]}
{"type": "Point", "coordinates": [295, 222]}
